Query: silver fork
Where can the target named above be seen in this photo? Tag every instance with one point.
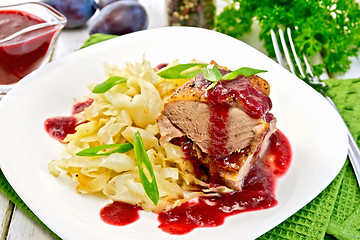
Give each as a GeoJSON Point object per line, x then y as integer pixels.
{"type": "Point", "coordinates": [353, 149]}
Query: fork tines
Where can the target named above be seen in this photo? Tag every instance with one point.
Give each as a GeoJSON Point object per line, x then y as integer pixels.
{"type": "Point", "coordinates": [289, 59]}
{"type": "Point", "coordinates": [354, 151]}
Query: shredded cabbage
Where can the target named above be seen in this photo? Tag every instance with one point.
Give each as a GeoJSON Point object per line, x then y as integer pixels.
{"type": "Point", "coordinates": [114, 117]}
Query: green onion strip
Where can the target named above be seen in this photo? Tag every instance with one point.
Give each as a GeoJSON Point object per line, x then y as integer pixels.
{"type": "Point", "coordinates": [142, 160]}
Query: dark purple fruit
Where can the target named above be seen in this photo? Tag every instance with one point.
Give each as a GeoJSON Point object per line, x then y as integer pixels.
{"type": "Point", "coordinates": [119, 18]}
{"type": "Point", "coordinates": [103, 3]}
{"type": "Point", "coordinates": [77, 12]}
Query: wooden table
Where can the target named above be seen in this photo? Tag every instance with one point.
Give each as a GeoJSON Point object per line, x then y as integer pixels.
{"type": "Point", "coordinates": [15, 225]}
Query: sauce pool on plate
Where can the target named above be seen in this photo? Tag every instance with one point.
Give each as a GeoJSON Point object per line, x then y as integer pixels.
{"type": "Point", "coordinates": [257, 193]}
{"type": "Point", "coordinates": [60, 127]}
{"type": "Point", "coordinates": [119, 213]}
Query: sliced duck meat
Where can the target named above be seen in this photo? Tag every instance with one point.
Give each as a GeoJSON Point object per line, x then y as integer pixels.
{"type": "Point", "coordinates": [224, 128]}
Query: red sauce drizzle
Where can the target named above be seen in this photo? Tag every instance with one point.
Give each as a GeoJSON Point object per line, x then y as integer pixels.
{"type": "Point", "coordinates": [257, 193]}
{"type": "Point", "coordinates": [80, 106]}
{"type": "Point", "coordinates": [119, 213]}
{"type": "Point", "coordinates": [60, 127]}
{"type": "Point", "coordinates": [219, 114]}
{"type": "Point", "coordinates": [24, 54]}
{"type": "Point", "coordinates": [278, 154]}
{"type": "Point", "coordinates": [255, 103]}
{"type": "Point", "coordinates": [160, 66]}
{"type": "Point", "coordinates": [220, 99]}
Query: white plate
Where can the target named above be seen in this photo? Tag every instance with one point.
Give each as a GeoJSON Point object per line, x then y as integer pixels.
{"type": "Point", "coordinates": [314, 129]}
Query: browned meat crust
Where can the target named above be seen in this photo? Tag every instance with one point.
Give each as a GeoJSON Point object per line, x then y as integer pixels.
{"type": "Point", "coordinates": [187, 113]}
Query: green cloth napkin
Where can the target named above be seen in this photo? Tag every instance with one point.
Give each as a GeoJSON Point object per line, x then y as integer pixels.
{"type": "Point", "coordinates": [333, 214]}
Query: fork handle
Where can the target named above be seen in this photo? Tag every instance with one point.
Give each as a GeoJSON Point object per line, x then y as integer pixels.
{"type": "Point", "coordinates": [353, 148]}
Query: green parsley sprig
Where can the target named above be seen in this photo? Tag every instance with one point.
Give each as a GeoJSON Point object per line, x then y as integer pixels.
{"type": "Point", "coordinates": [330, 28]}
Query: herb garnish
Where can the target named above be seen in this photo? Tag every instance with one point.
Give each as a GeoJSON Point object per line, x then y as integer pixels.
{"type": "Point", "coordinates": [212, 74]}
{"type": "Point", "coordinates": [181, 71]}
{"type": "Point", "coordinates": [245, 71]}
{"type": "Point", "coordinates": [109, 83]}
{"type": "Point", "coordinates": [142, 159]}
{"type": "Point", "coordinates": [94, 151]}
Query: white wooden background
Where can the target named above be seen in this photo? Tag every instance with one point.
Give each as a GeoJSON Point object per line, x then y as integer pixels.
{"type": "Point", "coordinates": [15, 225]}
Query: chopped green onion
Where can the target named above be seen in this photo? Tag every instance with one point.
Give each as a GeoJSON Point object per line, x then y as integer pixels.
{"type": "Point", "coordinates": [212, 74]}
{"type": "Point", "coordinates": [94, 151]}
{"type": "Point", "coordinates": [109, 83]}
{"type": "Point", "coordinates": [245, 71]}
{"type": "Point", "coordinates": [142, 158]}
{"type": "Point", "coordinates": [180, 71]}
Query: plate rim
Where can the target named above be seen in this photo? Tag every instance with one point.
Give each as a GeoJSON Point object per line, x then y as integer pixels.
{"type": "Point", "coordinates": [102, 45]}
